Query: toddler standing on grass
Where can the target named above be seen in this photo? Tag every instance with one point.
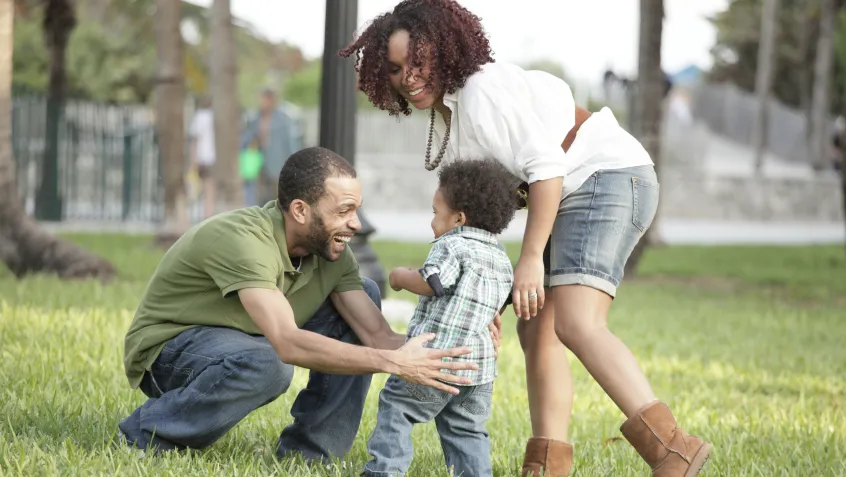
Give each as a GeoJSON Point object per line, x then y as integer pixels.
{"type": "Point", "coordinates": [464, 282]}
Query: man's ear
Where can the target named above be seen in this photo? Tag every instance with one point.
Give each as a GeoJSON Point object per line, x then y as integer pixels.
{"type": "Point", "coordinates": [461, 218]}
{"type": "Point", "coordinates": [300, 211]}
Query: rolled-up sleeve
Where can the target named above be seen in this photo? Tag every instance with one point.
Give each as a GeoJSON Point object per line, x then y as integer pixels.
{"type": "Point", "coordinates": [506, 123]}
{"type": "Point", "coordinates": [444, 262]}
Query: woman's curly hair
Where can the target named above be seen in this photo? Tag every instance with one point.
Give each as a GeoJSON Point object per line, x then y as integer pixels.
{"type": "Point", "coordinates": [458, 44]}
{"type": "Point", "coordinates": [479, 188]}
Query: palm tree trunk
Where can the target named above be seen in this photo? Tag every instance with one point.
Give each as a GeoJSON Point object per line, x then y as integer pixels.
{"type": "Point", "coordinates": [24, 246]}
{"type": "Point", "coordinates": [805, 76]}
{"type": "Point", "coordinates": [648, 101]}
{"type": "Point", "coordinates": [170, 119]}
{"type": "Point", "coordinates": [59, 22]}
{"type": "Point", "coordinates": [764, 79]}
{"type": "Point", "coordinates": [842, 142]}
{"type": "Point", "coordinates": [822, 85]}
{"type": "Point", "coordinates": [224, 72]}
{"type": "Point", "coordinates": [843, 172]}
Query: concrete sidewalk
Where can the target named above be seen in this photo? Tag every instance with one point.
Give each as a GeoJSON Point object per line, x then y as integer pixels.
{"type": "Point", "coordinates": [414, 226]}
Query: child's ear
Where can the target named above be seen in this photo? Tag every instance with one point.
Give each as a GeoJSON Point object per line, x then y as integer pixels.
{"type": "Point", "coordinates": [461, 219]}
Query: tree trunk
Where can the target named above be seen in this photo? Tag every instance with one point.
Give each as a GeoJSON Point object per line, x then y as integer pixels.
{"type": "Point", "coordinates": [843, 172]}
{"type": "Point", "coordinates": [842, 143]}
{"type": "Point", "coordinates": [170, 119]}
{"type": "Point", "coordinates": [764, 79]}
{"type": "Point", "coordinates": [59, 22]}
{"type": "Point", "coordinates": [224, 72]}
{"type": "Point", "coordinates": [24, 246]}
{"type": "Point", "coordinates": [648, 102]}
{"type": "Point", "coordinates": [805, 75]}
{"type": "Point", "coordinates": [823, 69]}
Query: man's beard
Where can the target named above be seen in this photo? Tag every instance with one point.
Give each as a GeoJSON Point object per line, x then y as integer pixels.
{"type": "Point", "coordinates": [319, 240]}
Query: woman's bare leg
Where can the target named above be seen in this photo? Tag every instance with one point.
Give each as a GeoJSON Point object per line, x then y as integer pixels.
{"type": "Point", "coordinates": [581, 323]}
{"type": "Point", "coordinates": [548, 378]}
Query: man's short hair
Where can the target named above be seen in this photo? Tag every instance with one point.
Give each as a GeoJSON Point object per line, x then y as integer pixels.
{"type": "Point", "coordinates": [305, 172]}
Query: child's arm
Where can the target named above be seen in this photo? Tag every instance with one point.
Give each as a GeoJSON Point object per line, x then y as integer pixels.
{"type": "Point", "coordinates": [440, 272]}
{"type": "Point", "coordinates": [411, 280]}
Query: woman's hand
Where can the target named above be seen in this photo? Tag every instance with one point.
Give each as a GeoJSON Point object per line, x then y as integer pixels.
{"type": "Point", "coordinates": [544, 199]}
{"type": "Point", "coordinates": [527, 295]}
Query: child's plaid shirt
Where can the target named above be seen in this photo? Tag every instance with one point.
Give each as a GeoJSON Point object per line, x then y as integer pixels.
{"type": "Point", "coordinates": [476, 275]}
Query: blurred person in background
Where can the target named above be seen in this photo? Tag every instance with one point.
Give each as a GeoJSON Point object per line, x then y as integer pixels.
{"type": "Point", "coordinates": [836, 147]}
{"type": "Point", "coordinates": [276, 134]}
{"type": "Point", "coordinates": [201, 133]}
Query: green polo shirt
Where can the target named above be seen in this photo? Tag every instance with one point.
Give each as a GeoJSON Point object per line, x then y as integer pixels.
{"type": "Point", "coordinates": [197, 280]}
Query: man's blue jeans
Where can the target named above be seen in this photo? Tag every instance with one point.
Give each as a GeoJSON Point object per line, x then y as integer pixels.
{"type": "Point", "coordinates": [460, 421]}
{"type": "Point", "coordinates": [208, 379]}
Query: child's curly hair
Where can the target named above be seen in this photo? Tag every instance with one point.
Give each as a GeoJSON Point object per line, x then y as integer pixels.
{"type": "Point", "coordinates": [454, 36]}
{"type": "Point", "coordinates": [482, 190]}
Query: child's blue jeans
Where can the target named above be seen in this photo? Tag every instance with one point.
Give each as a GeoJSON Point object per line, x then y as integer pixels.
{"type": "Point", "coordinates": [460, 421]}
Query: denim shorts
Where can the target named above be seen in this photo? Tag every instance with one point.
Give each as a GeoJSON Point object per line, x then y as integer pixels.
{"type": "Point", "coordinates": [598, 226]}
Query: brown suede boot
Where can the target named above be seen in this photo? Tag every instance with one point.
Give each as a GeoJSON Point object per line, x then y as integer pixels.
{"type": "Point", "coordinates": [554, 457]}
{"type": "Point", "coordinates": [670, 451]}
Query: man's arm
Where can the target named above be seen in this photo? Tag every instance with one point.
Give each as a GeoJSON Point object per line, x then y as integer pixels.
{"type": "Point", "coordinates": [366, 320]}
{"type": "Point", "coordinates": [370, 326]}
{"type": "Point", "coordinates": [272, 313]}
{"type": "Point", "coordinates": [411, 280]}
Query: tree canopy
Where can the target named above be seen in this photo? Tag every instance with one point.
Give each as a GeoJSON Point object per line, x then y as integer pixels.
{"type": "Point", "coordinates": [112, 56]}
{"type": "Point", "coordinates": [735, 52]}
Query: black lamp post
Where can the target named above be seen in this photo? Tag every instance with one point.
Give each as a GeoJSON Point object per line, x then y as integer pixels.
{"type": "Point", "coordinates": [337, 115]}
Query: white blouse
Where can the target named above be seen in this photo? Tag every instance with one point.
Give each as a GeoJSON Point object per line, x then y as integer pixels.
{"type": "Point", "coordinates": [520, 118]}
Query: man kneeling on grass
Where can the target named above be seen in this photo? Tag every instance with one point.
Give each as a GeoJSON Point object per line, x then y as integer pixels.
{"type": "Point", "coordinates": [245, 296]}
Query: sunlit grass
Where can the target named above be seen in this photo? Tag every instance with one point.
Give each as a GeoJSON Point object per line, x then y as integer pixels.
{"type": "Point", "coordinates": [748, 352]}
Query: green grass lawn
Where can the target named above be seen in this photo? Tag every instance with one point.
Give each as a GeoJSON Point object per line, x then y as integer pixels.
{"type": "Point", "coordinates": [747, 345]}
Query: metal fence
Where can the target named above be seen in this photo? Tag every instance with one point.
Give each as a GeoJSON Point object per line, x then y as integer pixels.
{"type": "Point", "coordinates": [108, 161]}
{"type": "Point", "coordinates": [732, 112]}
{"type": "Point", "coordinates": [109, 166]}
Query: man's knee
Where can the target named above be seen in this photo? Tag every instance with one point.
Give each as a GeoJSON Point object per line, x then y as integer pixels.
{"type": "Point", "coordinates": [264, 370]}
{"type": "Point", "coordinates": [372, 290]}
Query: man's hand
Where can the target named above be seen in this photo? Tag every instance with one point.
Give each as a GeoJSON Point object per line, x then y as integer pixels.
{"type": "Point", "coordinates": [495, 327]}
{"type": "Point", "coordinates": [419, 365]}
